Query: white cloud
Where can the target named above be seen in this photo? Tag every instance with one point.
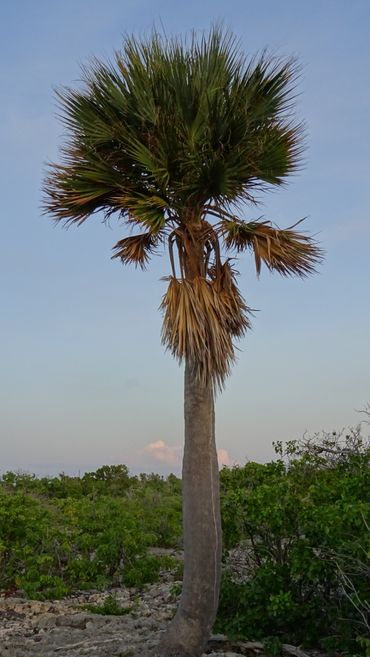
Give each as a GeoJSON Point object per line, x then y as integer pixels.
{"type": "Point", "coordinates": [160, 451]}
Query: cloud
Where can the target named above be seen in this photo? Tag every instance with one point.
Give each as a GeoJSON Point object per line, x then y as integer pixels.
{"type": "Point", "coordinates": [160, 451]}
{"type": "Point", "coordinates": [172, 454]}
{"type": "Point", "coordinates": [223, 457]}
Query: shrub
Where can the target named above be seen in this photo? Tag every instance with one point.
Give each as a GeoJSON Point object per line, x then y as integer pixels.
{"type": "Point", "coordinates": [68, 533]}
{"type": "Point", "coordinates": [302, 522]}
{"type": "Point", "coordinates": [109, 607]}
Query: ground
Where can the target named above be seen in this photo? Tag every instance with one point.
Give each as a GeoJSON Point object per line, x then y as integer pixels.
{"type": "Point", "coordinates": [65, 628]}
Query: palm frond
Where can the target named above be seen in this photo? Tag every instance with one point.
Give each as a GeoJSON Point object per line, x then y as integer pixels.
{"type": "Point", "coordinates": [145, 210]}
{"type": "Point", "coordinates": [76, 190]}
{"type": "Point", "coordinates": [235, 307]}
{"type": "Point", "coordinates": [136, 249]}
{"type": "Point", "coordinates": [201, 317]}
{"type": "Point", "coordinates": [187, 121]}
{"type": "Point", "coordinates": [286, 251]}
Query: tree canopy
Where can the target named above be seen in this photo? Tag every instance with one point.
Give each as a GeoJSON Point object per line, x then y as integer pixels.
{"type": "Point", "coordinates": [174, 137]}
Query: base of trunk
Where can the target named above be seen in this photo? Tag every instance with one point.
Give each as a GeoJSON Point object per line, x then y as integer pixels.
{"type": "Point", "coordinates": [184, 638]}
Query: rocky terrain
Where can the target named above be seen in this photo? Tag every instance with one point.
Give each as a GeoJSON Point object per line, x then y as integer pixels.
{"type": "Point", "coordinates": [43, 629]}
{"type": "Point", "coordinates": [65, 628]}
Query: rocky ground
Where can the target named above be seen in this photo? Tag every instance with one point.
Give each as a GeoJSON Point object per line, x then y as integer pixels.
{"type": "Point", "coordinates": [65, 628]}
{"type": "Point", "coordinates": [45, 629]}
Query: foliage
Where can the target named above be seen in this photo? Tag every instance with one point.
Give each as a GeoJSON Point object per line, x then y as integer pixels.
{"type": "Point", "coordinates": [64, 533]}
{"type": "Point", "coordinates": [302, 522]}
{"type": "Point", "coordinates": [171, 137]}
{"type": "Point", "coordinates": [110, 607]}
{"type": "Point", "coordinates": [299, 525]}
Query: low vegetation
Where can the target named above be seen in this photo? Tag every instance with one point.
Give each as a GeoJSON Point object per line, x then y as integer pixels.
{"type": "Point", "coordinates": [65, 533]}
{"type": "Point", "coordinates": [296, 538]}
{"type": "Point", "coordinates": [302, 522]}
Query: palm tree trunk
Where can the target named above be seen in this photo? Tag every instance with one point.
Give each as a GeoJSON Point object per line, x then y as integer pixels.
{"type": "Point", "coordinates": [188, 633]}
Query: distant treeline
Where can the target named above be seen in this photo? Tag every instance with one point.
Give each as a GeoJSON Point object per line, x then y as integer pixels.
{"type": "Point", "coordinates": [112, 480]}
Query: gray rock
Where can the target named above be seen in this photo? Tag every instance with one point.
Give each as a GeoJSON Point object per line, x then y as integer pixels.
{"type": "Point", "coordinates": [64, 629]}
{"type": "Point", "coordinates": [76, 621]}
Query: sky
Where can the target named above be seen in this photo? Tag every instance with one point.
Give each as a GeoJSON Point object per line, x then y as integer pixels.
{"type": "Point", "coordinates": [85, 380]}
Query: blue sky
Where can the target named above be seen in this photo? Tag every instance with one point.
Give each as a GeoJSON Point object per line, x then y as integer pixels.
{"type": "Point", "coordinates": [84, 378]}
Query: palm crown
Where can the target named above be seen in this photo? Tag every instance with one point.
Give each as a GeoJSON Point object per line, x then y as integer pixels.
{"type": "Point", "coordinates": [172, 137]}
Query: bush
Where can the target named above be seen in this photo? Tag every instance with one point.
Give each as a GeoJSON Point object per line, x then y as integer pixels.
{"type": "Point", "coordinates": [67, 533]}
{"type": "Point", "coordinates": [303, 522]}
{"type": "Point", "coordinates": [109, 607]}
{"type": "Point", "coordinates": [300, 524]}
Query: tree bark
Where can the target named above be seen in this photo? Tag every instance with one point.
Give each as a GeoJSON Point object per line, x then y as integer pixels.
{"type": "Point", "coordinates": [189, 631]}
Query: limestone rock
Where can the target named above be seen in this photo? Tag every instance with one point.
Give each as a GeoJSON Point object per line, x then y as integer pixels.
{"type": "Point", "coordinates": [65, 629]}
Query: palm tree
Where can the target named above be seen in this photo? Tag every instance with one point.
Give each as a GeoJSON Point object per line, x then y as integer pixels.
{"type": "Point", "coordinates": [175, 138]}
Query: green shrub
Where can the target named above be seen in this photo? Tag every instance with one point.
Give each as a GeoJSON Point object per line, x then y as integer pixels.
{"type": "Point", "coordinates": [303, 521]}
{"type": "Point", "coordinates": [68, 533]}
{"type": "Point", "coordinates": [109, 607]}
{"type": "Point", "coordinates": [300, 522]}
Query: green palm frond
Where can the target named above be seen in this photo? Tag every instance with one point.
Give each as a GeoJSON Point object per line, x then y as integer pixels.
{"type": "Point", "coordinates": [286, 251]}
{"type": "Point", "coordinates": [144, 209]}
{"type": "Point", "coordinates": [80, 187]}
{"type": "Point", "coordinates": [191, 123]}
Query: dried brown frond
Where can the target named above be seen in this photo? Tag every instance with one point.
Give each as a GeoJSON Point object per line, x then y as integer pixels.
{"type": "Point", "coordinates": [286, 251]}
{"type": "Point", "coordinates": [136, 249]}
{"type": "Point", "coordinates": [200, 319]}
{"type": "Point", "coordinates": [234, 304]}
